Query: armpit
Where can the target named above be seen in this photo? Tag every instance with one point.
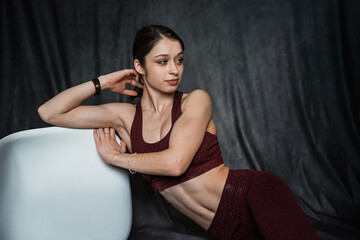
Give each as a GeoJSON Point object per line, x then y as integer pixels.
{"type": "Point", "coordinates": [211, 128]}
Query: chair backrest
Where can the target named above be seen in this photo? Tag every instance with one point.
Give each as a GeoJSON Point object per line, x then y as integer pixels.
{"type": "Point", "coordinates": [54, 185]}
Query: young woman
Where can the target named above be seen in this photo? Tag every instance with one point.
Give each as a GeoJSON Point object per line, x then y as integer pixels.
{"type": "Point", "coordinates": [172, 141]}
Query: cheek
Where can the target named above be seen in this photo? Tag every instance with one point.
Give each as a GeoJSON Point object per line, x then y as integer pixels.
{"type": "Point", "coordinates": [181, 69]}
{"type": "Point", "coordinates": [159, 70]}
{"type": "Point", "coordinates": [154, 72]}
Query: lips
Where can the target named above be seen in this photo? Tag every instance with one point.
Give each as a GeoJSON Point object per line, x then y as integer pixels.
{"type": "Point", "coordinates": [172, 81]}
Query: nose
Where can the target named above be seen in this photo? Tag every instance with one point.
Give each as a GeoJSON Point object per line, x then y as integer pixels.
{"type": "Point", "coordinates": [173, 68]}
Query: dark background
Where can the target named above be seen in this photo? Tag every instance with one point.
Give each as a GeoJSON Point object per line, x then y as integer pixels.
{"type": "Point", "coordinates": [283, 77]}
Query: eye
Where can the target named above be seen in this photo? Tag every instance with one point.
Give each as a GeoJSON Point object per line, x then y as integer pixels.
{"type": "Point", "coordinates": [180, 60]}
{"type": "Point", "coordinates": [162, 62]}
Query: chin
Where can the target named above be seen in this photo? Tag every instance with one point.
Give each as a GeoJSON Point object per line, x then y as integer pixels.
{"type": "Point", "coordinates": [170, 90]}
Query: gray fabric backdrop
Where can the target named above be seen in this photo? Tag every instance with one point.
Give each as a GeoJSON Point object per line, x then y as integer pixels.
{"type": "Point", "coordinates": [283, 77]}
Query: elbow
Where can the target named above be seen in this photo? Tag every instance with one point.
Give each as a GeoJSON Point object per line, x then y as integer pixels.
{"type": "Point", "coordinates": [178, 167]}
{"type": "Point", "coordinates": [176, 172]}
{"type": "Point", "coordinates": [43, 114]}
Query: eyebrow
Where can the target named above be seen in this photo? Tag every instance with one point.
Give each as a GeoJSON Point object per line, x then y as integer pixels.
{"type": "Point", "coordinates": [165, 55]}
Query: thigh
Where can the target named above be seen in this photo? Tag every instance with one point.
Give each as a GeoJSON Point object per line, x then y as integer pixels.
{"type": "Point", "coordinates": [233, 218]}
{"type": "Point", "coordinates": [275, 209]}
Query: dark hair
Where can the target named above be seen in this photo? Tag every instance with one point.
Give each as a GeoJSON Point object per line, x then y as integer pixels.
{"type": "Point", "coordinates": [146, 38]}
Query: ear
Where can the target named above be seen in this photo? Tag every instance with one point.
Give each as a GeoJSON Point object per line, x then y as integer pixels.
{"type": "Point", "coordinates": [138, 67]}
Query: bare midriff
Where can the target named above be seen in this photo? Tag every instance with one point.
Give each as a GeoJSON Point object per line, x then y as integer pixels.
{"type": "Point", "coordinates": [198, 198]}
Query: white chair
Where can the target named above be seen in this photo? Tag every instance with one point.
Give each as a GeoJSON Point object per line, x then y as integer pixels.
{"type": "Point", "coordinates": [54, 185]}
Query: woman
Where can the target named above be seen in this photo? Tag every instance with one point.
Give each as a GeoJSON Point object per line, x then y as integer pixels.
{"type": "Point", "coordinates": [172, 141]}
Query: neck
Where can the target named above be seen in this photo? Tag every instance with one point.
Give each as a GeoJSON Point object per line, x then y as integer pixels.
{"type": "Point", "coordinates": [156, 101]}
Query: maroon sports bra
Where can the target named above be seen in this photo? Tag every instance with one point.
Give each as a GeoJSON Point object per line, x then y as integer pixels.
{"type": "Point", "coordinates": [207, 157]}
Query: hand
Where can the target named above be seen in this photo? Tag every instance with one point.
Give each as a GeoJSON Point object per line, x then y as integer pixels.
{"type": "Point", "coordinates": [117, 81]}
{"type": "Point", "coordinates": [106, 144]}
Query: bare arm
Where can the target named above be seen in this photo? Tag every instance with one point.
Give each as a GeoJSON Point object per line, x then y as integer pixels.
{"type": "Point", "coordinates": [186, 137]}
{"type": "Point", "coordinates": [64, 109]}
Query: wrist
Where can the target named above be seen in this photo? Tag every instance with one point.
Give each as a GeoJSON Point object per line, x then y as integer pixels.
{"type": "Point", "coordinates": [128, 163]}
{"type": "Point", "coordinates": [97, 86]}
{"type": "Point", "coordinates": [103, 82]}
{"type": "Point", "coordinates": [115, 159]}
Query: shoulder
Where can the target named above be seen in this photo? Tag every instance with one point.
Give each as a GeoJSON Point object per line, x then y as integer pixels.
{"type": "Point", "coordinates": [196, 95]}
{"type": "Point", "coordinates": [196, 99]}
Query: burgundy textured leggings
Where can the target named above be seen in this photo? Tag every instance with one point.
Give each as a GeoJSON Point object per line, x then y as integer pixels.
{"type": "Point", "coordinates": [259, 205]}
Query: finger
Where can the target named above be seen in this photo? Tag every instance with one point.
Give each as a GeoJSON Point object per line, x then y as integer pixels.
{"type": "Point", "coordinates": [131, 73]}
{"type": "Point", "coordinates": [125, 73]}
{"type": "Point", "coordinates": [96, 136]}
{"type": "Point", "coordinates": [130, 92]}
{"type": "Point", "coordinates": [136, 76]}
{"type": "Point", "coordinates": [122, 146]}
{"type": "Point", "coordinates": [134, 82]}
{"type": "Point", "coordinates": [107, 133]}
{"type": "Point", "coordinates": [112, 133]}
{"type": "Point", "coordinates": [137, 84]}
{"type": "Point", "coordinates": [101, 133]}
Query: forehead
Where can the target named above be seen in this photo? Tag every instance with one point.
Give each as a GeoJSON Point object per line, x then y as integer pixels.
{"type": "Point", "coordinates": [166, 46]}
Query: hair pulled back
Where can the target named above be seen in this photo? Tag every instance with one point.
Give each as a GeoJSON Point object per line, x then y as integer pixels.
{"type": "Point", "coordinates": [146, 38]}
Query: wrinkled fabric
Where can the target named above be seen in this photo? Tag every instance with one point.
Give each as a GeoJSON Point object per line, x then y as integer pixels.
{"type": "Point", "coordinates": [283, 77]}
{"type": "Point", "coordinates": [257, 205]}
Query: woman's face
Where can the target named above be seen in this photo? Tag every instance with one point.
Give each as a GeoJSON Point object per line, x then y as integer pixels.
{"type": "Point", "coordinates": [164, 65]}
